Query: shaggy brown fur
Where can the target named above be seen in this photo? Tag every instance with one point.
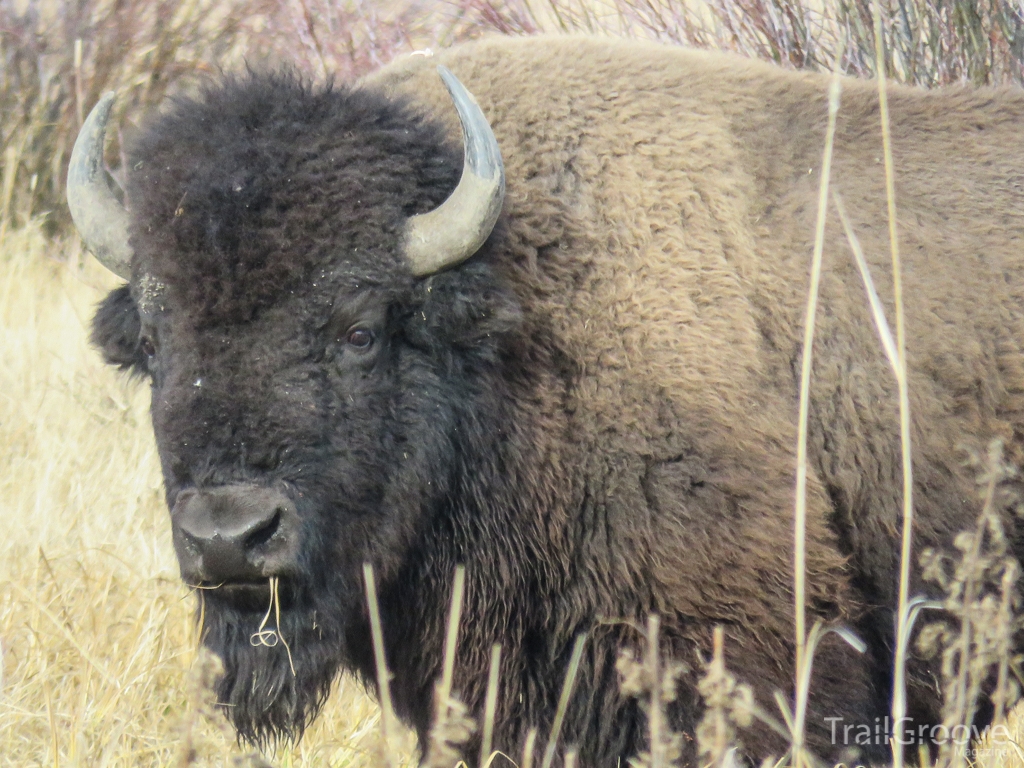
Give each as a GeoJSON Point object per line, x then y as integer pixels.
{"type": "Point", "coordinates": [597, 412]}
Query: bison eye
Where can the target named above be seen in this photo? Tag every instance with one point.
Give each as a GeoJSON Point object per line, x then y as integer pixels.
{"type": "Point", "coordinates": [360, 338]}
{"type": "Point", "coordinates": [147, 346]}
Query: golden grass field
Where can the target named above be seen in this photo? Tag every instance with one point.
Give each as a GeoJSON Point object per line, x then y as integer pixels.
{"type": "Point", "coordinates": [96, 630]}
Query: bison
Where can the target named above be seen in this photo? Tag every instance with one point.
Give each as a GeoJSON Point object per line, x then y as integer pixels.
{"type": "Point", "coordinates": [560, 347]}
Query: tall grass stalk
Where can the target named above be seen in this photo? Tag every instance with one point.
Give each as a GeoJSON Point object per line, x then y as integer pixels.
{"type": "Point", "coordinates": [387, 715]}
{"type": "Point", "coordinates": [451, 726]}
{"type": "Point", "coordinates": [877, 310]}
{"type": "Point", "coordinates": [528, 749]}
{"type": "Point", "coordinates": [563, 701]}
{"type": "Point", "coordinates": [818, 633]}
{"type": "Point", "coordinates": [720, 734]}
{"type": "Point", "coordinates": [1001, 698]}
{"type": "Point", "coordinates": [908, 611]}
{"type": "Point", "coordinates": [652, 680]}
{"type": "Point", "coordinates": [656, 713]}
{"type": "Point", "coordinates": [889, 345]}
{"type": "Point", "coordinates": [452, 635]}
{"type": "Point", "coordinates": [490, 704]}
{"type": "Point", "coordinates": [900, 369]}
{"type": "Point", "coordinates": [800, 516]}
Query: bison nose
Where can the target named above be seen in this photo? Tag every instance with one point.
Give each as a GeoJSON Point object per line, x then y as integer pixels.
{"type": "Point", "coordinates": [234, 533]}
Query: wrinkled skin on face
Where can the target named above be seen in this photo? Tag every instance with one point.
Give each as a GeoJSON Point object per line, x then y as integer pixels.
{"type": "Point", "coordinates": [288, 348]}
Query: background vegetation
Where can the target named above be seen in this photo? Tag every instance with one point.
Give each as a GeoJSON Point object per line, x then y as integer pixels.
{"type": "Point", "coordinates": [96, 647]}
{"type": "Point", "coordinates": [59, 56]}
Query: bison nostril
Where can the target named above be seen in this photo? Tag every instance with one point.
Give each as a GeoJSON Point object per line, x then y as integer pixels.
{"type": "Point", "coordinates": [265, 532]}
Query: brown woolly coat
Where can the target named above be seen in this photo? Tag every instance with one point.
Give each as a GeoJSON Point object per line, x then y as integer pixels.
{"type": "Point", "coordinates": [660, 210]}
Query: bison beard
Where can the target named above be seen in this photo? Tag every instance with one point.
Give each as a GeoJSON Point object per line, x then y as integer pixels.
{"type": "Point", "coordinates": [596, 412]}
{"type": "Point", "coordinates": [262, 695]}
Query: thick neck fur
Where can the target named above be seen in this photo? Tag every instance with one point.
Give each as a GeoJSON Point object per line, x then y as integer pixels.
{"type": "Point", "coordinates": [505, 512]}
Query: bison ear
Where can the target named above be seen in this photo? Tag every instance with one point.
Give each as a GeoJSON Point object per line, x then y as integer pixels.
{"type": "Point", "coordinates": [466, 307]}
{"type": "Point", "coordinates": [116, 330]}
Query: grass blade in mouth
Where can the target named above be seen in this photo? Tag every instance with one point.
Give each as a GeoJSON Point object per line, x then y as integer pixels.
{"type": "Point", "coordinates": [270, 637]}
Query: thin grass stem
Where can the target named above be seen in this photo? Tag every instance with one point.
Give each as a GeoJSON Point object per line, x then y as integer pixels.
{"type": "Point", "coordinates": [528, 748]}
{"type": "Point", "coordinates": [656, 714]}
{"type": "Point", "coordinates": [387, 718]}
{"type": "Point", "coordinates": [452, 635]}
{"type": "Point", "coordinates": [277, 619]}
{"type": "Point", "coordinates": [563, 700]}
{"type": "Point", "coordinates": [449, 721]}
{"type": "Point", "coordinates": [877, 310]}
{"type": "Point", "coordinates": [902, 617]}
{"type": "Point", "coordinates": [490, 704]}
{"type": "Point", "coordinates": [818, 633]}
{"type": "Point", "coordinates": [800, 516]}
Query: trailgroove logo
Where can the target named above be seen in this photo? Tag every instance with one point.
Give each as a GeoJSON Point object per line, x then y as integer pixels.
{"type": "Point", "coordinates": [908, 733]}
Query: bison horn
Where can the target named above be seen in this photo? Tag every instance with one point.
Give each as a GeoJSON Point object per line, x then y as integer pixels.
{"type": "Point", "coordinates": [455, 230]}
{"type": "Point", "coordinates": [101, 220]}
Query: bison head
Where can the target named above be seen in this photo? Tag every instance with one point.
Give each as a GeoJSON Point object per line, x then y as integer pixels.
{"type": "Point", "coordinates": [312, 354]}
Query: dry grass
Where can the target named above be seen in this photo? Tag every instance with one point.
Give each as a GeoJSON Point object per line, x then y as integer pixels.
{"type": "Point", "coordinates": [96, 630]}
{"type": "Point", "coordinates": [57, 57]}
